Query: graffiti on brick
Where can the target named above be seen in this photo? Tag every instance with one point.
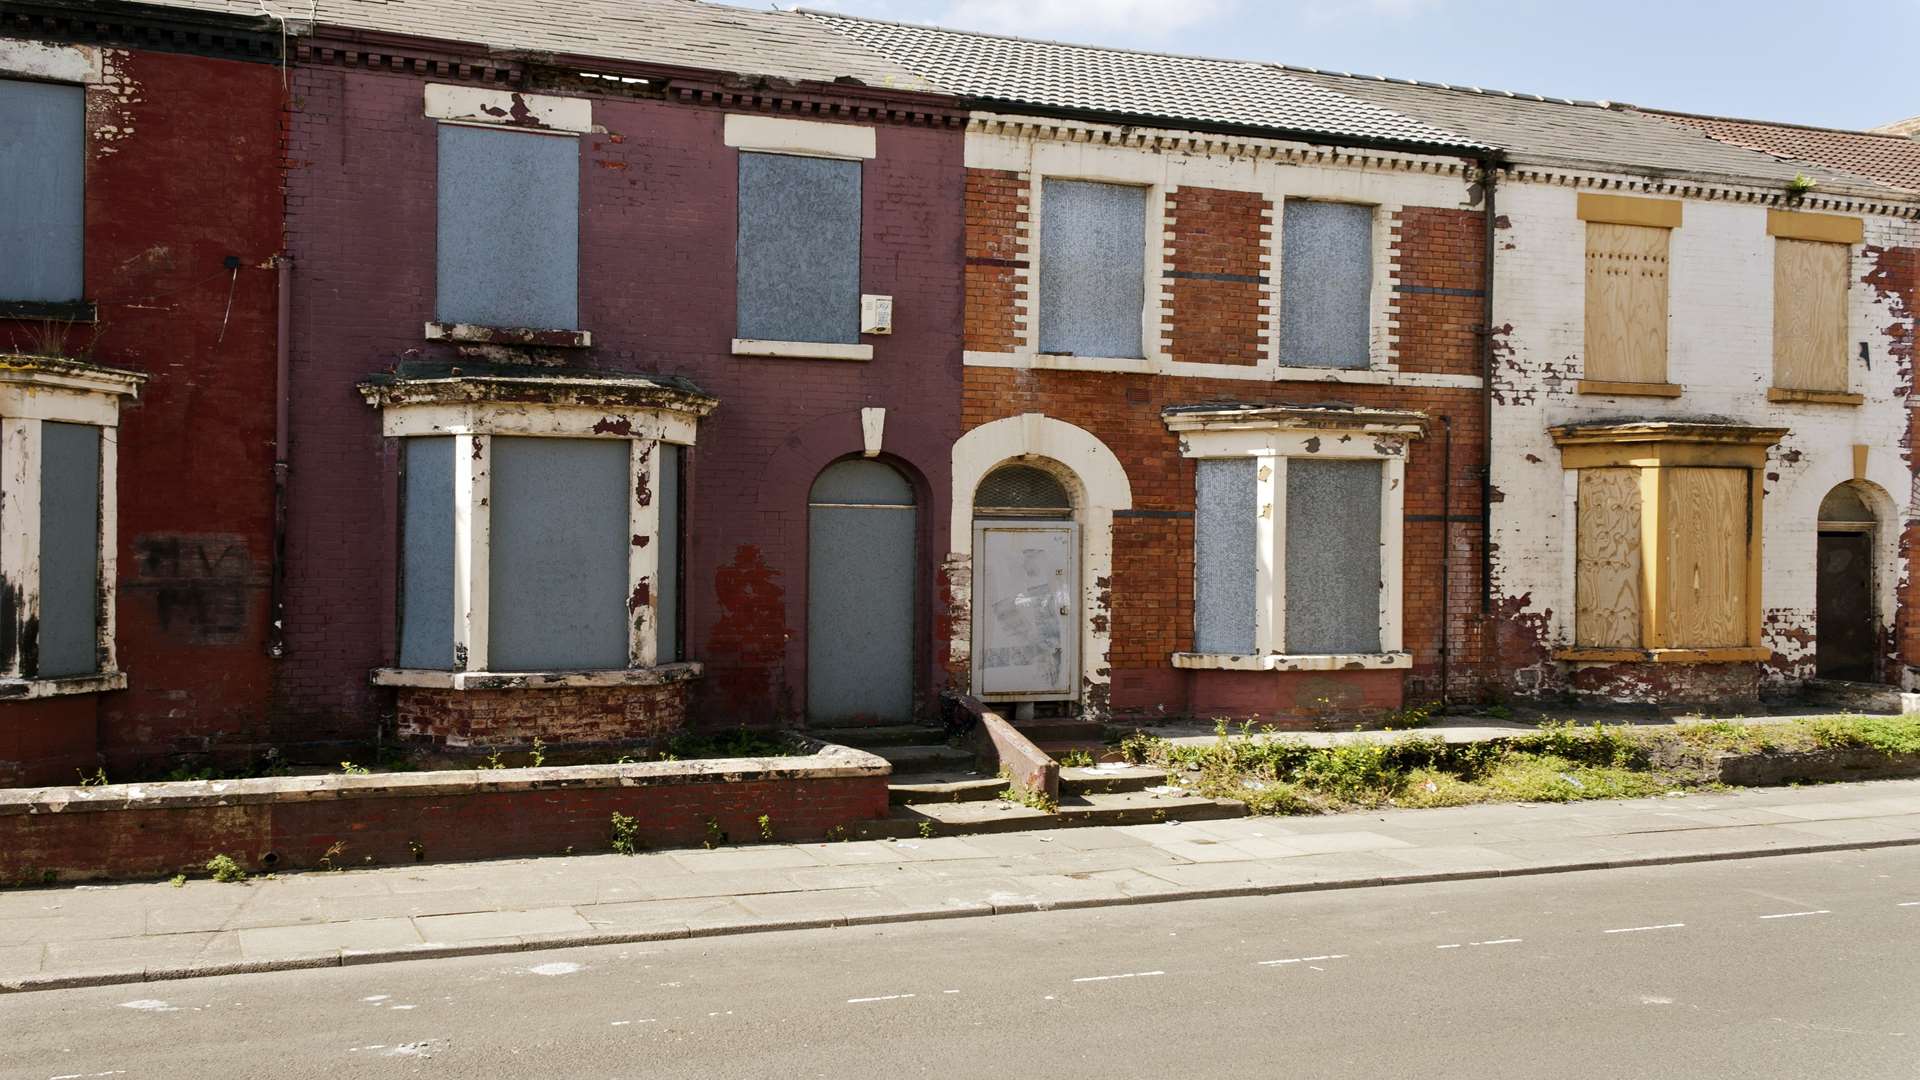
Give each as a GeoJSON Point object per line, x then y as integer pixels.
{"type": "Point", "coordinates": [198, 585]}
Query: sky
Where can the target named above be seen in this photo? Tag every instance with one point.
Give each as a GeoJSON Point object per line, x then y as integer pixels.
{"type": "Point", "coordinates": [1828, 64]}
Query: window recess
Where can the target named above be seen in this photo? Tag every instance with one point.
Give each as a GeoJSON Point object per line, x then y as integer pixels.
{"type": "Point", "coordinates": [1297, 535]}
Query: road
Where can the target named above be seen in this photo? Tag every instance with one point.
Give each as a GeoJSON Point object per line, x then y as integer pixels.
{"type": "Point", "coordinates": [1799, 966]}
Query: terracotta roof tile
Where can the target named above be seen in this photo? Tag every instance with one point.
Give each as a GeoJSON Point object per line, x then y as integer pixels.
{"type": "Point", "coordinates": [1888, 158]}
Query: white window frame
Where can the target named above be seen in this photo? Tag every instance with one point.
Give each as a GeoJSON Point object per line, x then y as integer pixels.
{"type": "Point", "coordinates": [35, 391]}
{"type": "Point", "coordinates": [477, 408]}
{"type": "Point", "coordinates": [1272, 435]}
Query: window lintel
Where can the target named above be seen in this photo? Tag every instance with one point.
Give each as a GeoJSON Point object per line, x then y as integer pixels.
{"type": "Point", "coordinates": [58, 373]}
{"type": "Point", "coordinates": [1658, 443]}
{"type": "Point", "coordinates": [1330, 430]}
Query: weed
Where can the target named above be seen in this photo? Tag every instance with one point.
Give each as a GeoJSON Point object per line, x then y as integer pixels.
{"type": "Point", "coordinates": [1075, 759]}
{"type": "Point", "coordinates": [926, 830]}
{"type": "Point", "coordinates": [539, 755]}
{"type": "Point", "coordinates": [1141, 748]}
{"type": "Point", "coordinates": [225, 870]}
{"type": "Point", "coordinates": [1798, 187]}
{"type": "Point", "coordinates": [179, 881]}
{"type": "Point", "coordinates": [1498, 712]}
{"type": "Point", "coordinates": [1412, 716]}
{"type": "Point", "coordinates": [1030, 798]}
{"type": "Point", "coordinates": [837, 833]}
{"type": "Point", "coordinates": [330, 860]}
{"type": "Point", "coordinates": [98, 779]}
{"type": "Point", "coordinates": [766, 827]}
{"type": "Point", "coordinates": [348, 768]}
{"type": "Point", "coordinates": [716, 836]}
{"type": "Point", "coordinates": [492, 762]}
{"type": "Point", "coordinates": [418, 849]}
{"type": "Point", "coordinates": [626, 833]}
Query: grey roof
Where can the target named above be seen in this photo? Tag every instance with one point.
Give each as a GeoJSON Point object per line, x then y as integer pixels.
{"type": "Point", "coordinates": [678, 33]}
{"type": "Point", "coordinates": [1544, 130]}
{"type": "Point", "coordinates": [1182, 90]}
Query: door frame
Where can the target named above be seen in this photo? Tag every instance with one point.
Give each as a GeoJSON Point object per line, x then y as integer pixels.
{"type": "Point", "coordinates": [1070, 640]}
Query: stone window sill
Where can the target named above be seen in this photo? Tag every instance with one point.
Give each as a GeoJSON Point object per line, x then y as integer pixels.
{"type": "Point", "coordinates": [28, 689]}
{"type": "Point", "coordinates": [474, 334]}
{"type": "Point", "coordinates": [801, 350]}
{"type": "Point", "coordinates": [1384, 661]}
{"type": "Point", "coordinates": [429, 679]}
{"type": "Point", "coordinates": [1626, 389]}
{"type": "Point", "coordinates": [1731, 654]}
{"type": "Point", "coordinates": [1813, 397]}
{"type": "Point", "coordinates": [75, 311]}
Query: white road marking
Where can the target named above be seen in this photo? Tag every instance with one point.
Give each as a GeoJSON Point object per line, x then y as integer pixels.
{"type": "Point", "coordinates": [1637, 929]}
{"type": "Point", "coordinates": [1796, 914]}
{"type": "Point", "coordinates": [1908, 903]}
{"type": "Point", "coordinates": [402, 1008]}
{"type": "Point", "coordinates": [149, 1005]}
{"type": "Point", "coordinates": [1128, 975]}
{"type": "Point", "coordinates": [1302, 959]}
{"type": "Point", "coordinates": [1493, 941]}
{"type": "Point", "coordinates": [558, 968]}
{"type": "Point", "coordinates": [376, 998]}
{"type": "Point", "coordinates": [1449, 946]}
{"type": "Point", "coordinates": [89, 1076]}
{"type": "Point", "coordinates": [888, 997]}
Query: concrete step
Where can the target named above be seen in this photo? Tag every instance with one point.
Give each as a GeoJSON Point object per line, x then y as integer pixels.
{"type": "Point", "coordinates": [945, 787]}
{"type": "Point", "coordinates": [925, 758]}
{"type": "Point", "coordinates": [867, 737]}
{"type": "Point", "coordinates": [1861, 697]}
{"type": "Point", "coordinates": [1109, 778]}
{"type": "Point", "coordinates": [1062, 730]}
{"type": "Point", "coordinates": [1119, 808]}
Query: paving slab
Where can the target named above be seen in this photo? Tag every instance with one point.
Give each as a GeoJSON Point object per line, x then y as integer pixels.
{"type": "Point", "coordinates": [264, 942]}
{"type": "Point", "coordinates": [499, 924]}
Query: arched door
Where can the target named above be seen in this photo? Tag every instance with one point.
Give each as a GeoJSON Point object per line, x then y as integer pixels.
{"type": "Point", "coordinates": [1026, 618]}
{"type": "Point", "coordinates": [1844, 643]}
{"type": "Point", "coordinates": [860, 559]}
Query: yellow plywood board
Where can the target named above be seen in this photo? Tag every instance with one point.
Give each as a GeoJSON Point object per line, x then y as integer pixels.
{"type": "Point", "coordinates": [1825, 228]}
{"type": "Point", "coordinates": [1625, 210]}
{"type": "Point", "coordinates": [1705, 531]}
{"type": "Point", "coordinates": [1626, 304]}
{"type": "Point", "coordinates": [1607, 571]}
{"type": "Point", "coordinates": [1810, 315]}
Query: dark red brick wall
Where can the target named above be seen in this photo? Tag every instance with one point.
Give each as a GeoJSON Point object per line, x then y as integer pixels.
{"type": "Point", "coordinates": [447, 828]}
{"type": "Point", "coordinates": [182, 172]}
{"type": "Point", "coordinates": [511, 719]}
{"type": "Point", "coordinates": [657, 293]}
{"type": "Point", "coordinates": [1216, 270]}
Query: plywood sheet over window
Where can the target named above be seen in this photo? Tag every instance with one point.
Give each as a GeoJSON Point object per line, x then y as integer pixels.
{"type": "Point", "coordinates": [1607, 576]}
{"type": "Point", "coordinates": [1225, 538]}
{"type": "Point", "coordinates": [1093, 251]}
{"type": "Point", "coordinates": [1333, 556]}
{"type": "Point", "coordinates": [1810, 315]}
{"type": "Point", "coordinates": [1705, 518]}
{"type": "Point", "coordinates": [1626, 303]}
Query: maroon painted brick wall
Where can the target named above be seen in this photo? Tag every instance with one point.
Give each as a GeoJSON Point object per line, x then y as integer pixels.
{"type": "Point", "coordinates": [182, 171]}
{"type": "Point", "coordinates": [658, 193]}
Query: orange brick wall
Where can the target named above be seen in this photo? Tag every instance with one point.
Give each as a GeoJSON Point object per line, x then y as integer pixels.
{"type": "Point", "coordinates": [996, 258]}
{"type": "Point", "coordinates": [1437, 294]}
{"type": "Point", "coordinates": [1216, 274]}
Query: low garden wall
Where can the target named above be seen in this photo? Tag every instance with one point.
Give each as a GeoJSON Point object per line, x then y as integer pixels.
{"type": "Point", "coordinates": [304, 822]}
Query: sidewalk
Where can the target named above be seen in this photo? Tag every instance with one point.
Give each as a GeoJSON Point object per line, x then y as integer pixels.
{"type": "Point", "coordinates": [95, 935]}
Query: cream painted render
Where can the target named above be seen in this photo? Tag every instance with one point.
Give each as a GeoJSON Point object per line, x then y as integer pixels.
{"type": "Point", "coordinates": [1720, 353]}
{"type": "Point", "coordinates": [1163, 161]}
{"type": "Point", "coordinates": [805, 138]}
{"type": "Point", "coordinates": [507, 108]}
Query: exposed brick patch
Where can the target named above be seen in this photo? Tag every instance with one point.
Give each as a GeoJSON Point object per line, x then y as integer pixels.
{"type": "Point", "coordinates": [573, 716]}
{"type": "Point", "coordinates": [1436, 301]}
{"type": "Point", "coordinates": [997, 259]}
{"type": "Point", "coordinates": [1217, 275]}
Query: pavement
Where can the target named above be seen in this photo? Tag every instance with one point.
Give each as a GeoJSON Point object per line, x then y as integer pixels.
{"type": "Point", "coordinates": [52, 938]}
{"type": "Point", "coordinates": [1778, 969]}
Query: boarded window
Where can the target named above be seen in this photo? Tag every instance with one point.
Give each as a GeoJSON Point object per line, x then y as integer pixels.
{"type": "Point", "coordinates": [509, 231]}
{"type": "Point", "coordinates": [42, 170]}
{"type": "Point", "coordinates": [426, 557]}
{"type": "Point", "coordinates": [667, 591]}
{"type": "Point", "coordinates": [1607, 569]}
{"type": "Point", "coordinates": [1626, 303]}
{"type": "Point", "coordinates": [558, 573]}
{"type": "Point", "coordinates": [1810, 315]}
{"type": "Point", "coordinates": [1333, 556]}
{"type": "Point", "coordinates": [799, 249]}
{"type": "Point", "coordinates": [1093, 251]}
{"type": "Point", "coordinates": [1326, 284]}
{"type": "Point", "coordinates": [1706, 514]}
{"type": "Point", "coordinates": [69, 549]}
{"type": "Point", "coordinates": [1225, 534]}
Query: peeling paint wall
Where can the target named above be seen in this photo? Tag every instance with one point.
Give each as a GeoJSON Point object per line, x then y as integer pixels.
{"type": "Point", "coordinates": [1721, 355]}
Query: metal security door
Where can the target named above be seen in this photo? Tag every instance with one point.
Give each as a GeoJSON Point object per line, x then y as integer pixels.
{"type": "Point", "coordinates": [860, 559]}
{"type": "Point", "coordinates": [1026, 614]}
{"type": "Point", "coordinates": [1843, 612]}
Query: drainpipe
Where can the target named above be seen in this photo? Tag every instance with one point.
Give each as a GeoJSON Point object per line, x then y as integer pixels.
{"type": "Point", "coordinates": [283, 393]}
{"type": "Point", "coordinates": [1487, 183]}
{"type": "Point", "coordinates": [1446, 555]}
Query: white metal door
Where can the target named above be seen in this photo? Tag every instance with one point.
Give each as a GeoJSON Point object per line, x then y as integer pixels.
{"type": "Point", "coordinates": [1026, 610]}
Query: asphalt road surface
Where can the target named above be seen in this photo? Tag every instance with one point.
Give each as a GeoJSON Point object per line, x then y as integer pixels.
{"type": "Point", "coordinates": [1801, 966]}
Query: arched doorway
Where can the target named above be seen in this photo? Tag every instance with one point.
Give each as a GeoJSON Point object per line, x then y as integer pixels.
{"type": "Point", "coordinates": [1845, 631]}
{"type": "Point", "coordinates": [1026, 617]}
{"type": "Point", "coordinates": [861, 533]}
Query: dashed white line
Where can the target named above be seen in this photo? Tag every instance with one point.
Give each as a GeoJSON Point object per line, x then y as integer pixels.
{"type": "Point", "coordinates": [1128, 975]}
{"type": "Point", "coordinates": [1637, 929]}
{"type": "Point", "coordinates": [1493, 941]}
{"type": "Point", "coordinates": [1796, 914]}
{"type": "Point", "coordinates": [1302, 959]}
{"type": "Point", "coordinates": [886, 997]}
{"type": "Point", "coordinates": [1908, 903]}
